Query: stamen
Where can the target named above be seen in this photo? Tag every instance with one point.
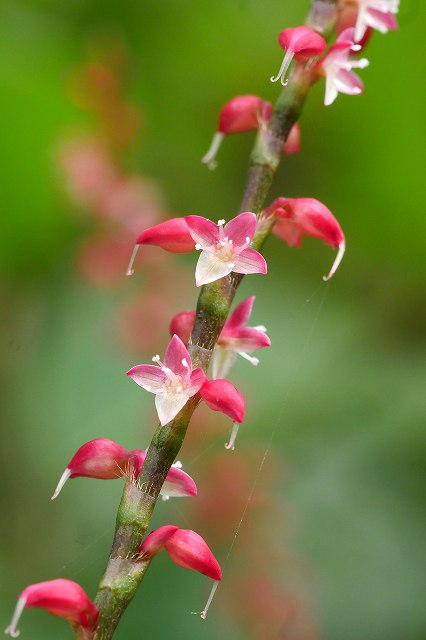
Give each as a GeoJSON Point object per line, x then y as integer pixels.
{"type": "Point", "coordinates": [11, 630]}
{"type": "Point", "coordinates": [165, 498]}
{"type": "Point", "coordinates": [130, 270]}
{"type": "Point", "coordinates": [283, 69]}
{"type": "Point", "coordinates": [234, 433]}
{"type": "Point", "coordinates": [248, 239]}
{"type": "Point", "coordinates": [185, 363]}
{"type": "Point", "coordinates": [261, 327]}
{"type": "Point", "coordinates": [156, 358]}
{"type": "Point", "coordinates": [251, 359]}
{"type": "Point", "coordinates": [179, 389]}
{"type": "Point", "coordinates": [210, 158]}
{"type": "Point", "coordinates": [221, 222]}
{"type": "Point", "coordinates": [64, 477]}
{"type": "Point", "coordinates": [165, 369]}
{"type": "Point", "coordinates": [337, 261]}
{"type": "Point", "coordinates": [197, 246]}
{"type": "Point", "coordinates": [177, 464]}
{"type": "Point", "coordinates": [203, 614]}
{"type": "Point", "coordinates": [231, 265]}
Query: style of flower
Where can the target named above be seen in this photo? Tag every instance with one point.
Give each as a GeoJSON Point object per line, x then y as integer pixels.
{"type": "Point", "coordinates": [296, 217]}
{"type": "Point", "coordinates": [376, 14]}
{"type": "Point", "coordinates": [337, 67]}
{"type": "Point", "coordinates": [173, 382]}
{"type": "Point", "coordinates": [104, 459]}
{"type": "Point", "coordinates": [301, 43]}
{"type": "Point", "coordinates": [225, 248]}
{"type": "Point", "coordinates": [62, 598]}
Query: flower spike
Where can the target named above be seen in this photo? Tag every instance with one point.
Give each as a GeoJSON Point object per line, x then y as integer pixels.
{"type": "Point", "coordinates": [301, 43]}
{"type": "Point", "coordinates": [62, 598]}
{"type": "Point", "coordinates": [296, 217]}
{"type": "Point", "coordinates": [225, 247]}
{"type": "Point", "coordinates": [173, 382]}
{"type": "Point", "coordinates": [242, 113]}
{"type": "Point", "coordinates": [172, 235]}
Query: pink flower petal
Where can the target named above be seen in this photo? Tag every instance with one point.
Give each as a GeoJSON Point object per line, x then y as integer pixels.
{"type": "Point", "coordinates": [177, 358]}
{"type": "Point", "coordinates": [203, 231]}
{"type": "Point", "coordinates": [182, 324]}
{"type": "Point", "coordinates": [241, 314]}
{"type": "Point", "coordinates": [250, 261]}
{"type": "Point", "coordinates": [210, 268]}
{"type": "Point", "coordinates": [246, 339]}
{"type": "Point", "coordinates": [289, 231]}
{"type": "Point", "coordinates": [349, 83]}
{"type": "Point", "coordinates": [168, 406]}
{"type": "Point", "coordinates": [188, 549]}
{"type": "Point", "coordinates": [221, 395]}
{"type": "Point", "coordinates": [381, 21]}
{"type": "Point", "coordinates": [302, 41]}
{"type": "Point", "coordinates": [222, 361]}
{"type": "Point", "coordinates": [198, 377]}
{"type": "Point", "coordinates": [240, 228]}
{"type": "Point", "coordinates": [149, 377]}
{"type": "Point", "coordinates": [178, 484]}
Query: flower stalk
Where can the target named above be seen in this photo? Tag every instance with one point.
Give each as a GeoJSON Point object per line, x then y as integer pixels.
{"type": "Point", "coordinates": [126, 567]}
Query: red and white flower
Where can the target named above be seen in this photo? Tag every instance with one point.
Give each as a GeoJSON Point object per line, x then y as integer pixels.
{"type": "Point", "coordinates": [104, 459]}
{"type": "Point", "coordinates": [236, 338]}
{"type": "Point", "coordinates": [376, 14]}
{"type": "Point", "coordinates": [173, 382]}
{"type": "Point", "coordinates": [62, 598]}
{"type": "Point", "coordinates": [301, 43]}
{"type": "Point", "coordinates": [296, 217]}
{"type": "Point", "coordinates": [225, 248]}
{"type": "Point", "coordinates": [337, 67]}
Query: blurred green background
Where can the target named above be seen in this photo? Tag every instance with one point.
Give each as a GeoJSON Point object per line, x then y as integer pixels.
{"type": "Point", "coordinates": [341, 391]}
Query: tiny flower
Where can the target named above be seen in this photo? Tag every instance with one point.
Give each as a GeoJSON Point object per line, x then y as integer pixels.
{"type": "Point", "coordinates": [225, 248]}
{"type": "Point", "coordinates": [173, 382]}
{"type": "Point", "coordinates": [235, 338]}
{"type": "Point", "coordinates": [301, 43]}
{"type": "Point", "coordinates": [306, 216]}
{"type": "Point", "coordinates": [177, 483]}
{"type": "Point", "coordinates": [172, 235]}
{"type": "Point", "coordinates": [337, 67]}
{"type": "Point", "coordinates": [238, 115]}
{"type": "Point", "coordinates": [185, 547]}
{"type": "Point", "coordinates": [221, 395]}
{"type": "Point", "coordinates": [376, 14]}
{"type": "Point", "coordinates": [100, 458]}
{"type": "Point", "coordinates": [62, 598]}
{"type": "Point", "coordinates": [238, 339]}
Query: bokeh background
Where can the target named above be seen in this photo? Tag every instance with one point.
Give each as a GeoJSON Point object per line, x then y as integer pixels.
{"type": "Point", "coordinates": [106, 111]}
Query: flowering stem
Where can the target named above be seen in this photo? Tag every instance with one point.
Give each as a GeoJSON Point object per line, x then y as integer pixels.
{"type": "Point", "coordinates": [125, 567]}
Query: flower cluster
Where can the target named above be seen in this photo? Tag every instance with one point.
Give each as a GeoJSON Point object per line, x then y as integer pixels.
{"type": "Point", "coordinates": [225, 248]}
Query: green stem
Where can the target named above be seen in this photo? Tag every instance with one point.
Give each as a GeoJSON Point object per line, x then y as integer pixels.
{"type": "Point", "coordinates": [125, 568]}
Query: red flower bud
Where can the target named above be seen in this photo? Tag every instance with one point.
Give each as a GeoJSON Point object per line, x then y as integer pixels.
{"type": "Point", "coordinates": [221, 395]}
{"type": "Point", "coordinates": [306, 216]}
{"type": "Point", "coordinates": [100, 458]}
{"type": "Point", "coordinates": [242, 113]}
{"type": "Point", "coordinates": [172, 235]}
{"type": "Point", "coordinates": [182, 324]}
{"type": "Point", "coordinates": [62, 598]}
{"type": "Point", "coordinates": [185, 547]}
{"type": "Point", "coordinates": [301, 43]}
